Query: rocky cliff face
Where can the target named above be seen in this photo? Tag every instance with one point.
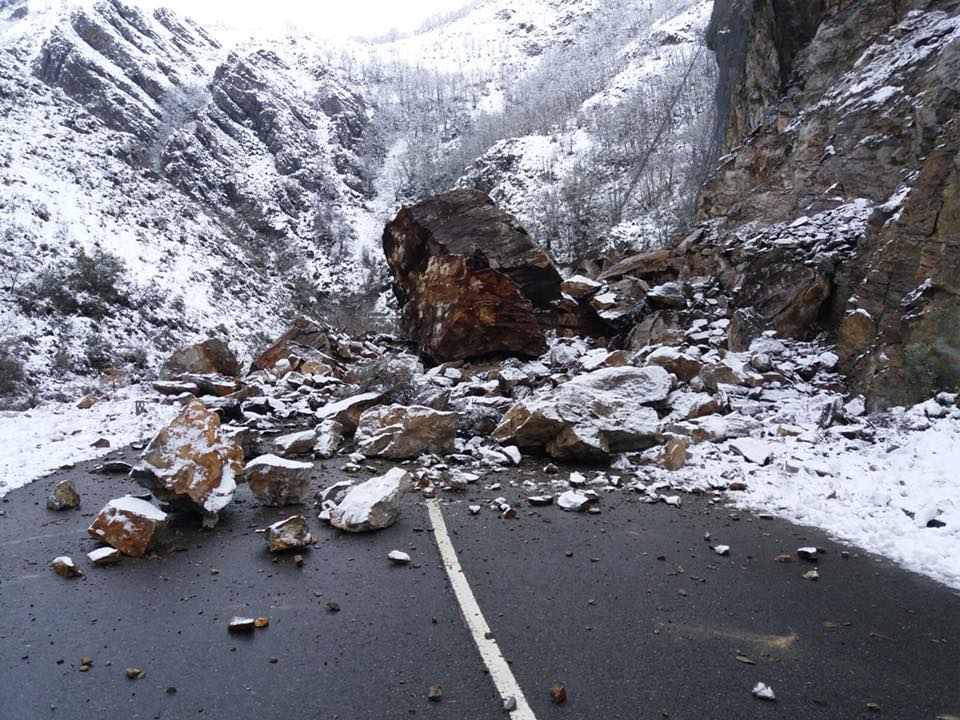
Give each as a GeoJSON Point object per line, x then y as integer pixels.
{"type": "Point", "coordinates": [836, 208]}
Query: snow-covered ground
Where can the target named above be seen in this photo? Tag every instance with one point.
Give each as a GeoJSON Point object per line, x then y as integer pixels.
{"type": "Point", "coordinates": [39, 441]}
{"type": "Point", "coordinates": [878, 494]}
{"type": "Point", "coordinates": [863, 493]}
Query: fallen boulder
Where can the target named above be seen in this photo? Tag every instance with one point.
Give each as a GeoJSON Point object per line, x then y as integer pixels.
{"type": "Point", "coordinates": [129, 524]}
{"type": "Point", "coordinates": [329, 436]}
{"type": "Point", "coordinates": [296, 444]}
{"type": "Point", "coordinates": [672, 360]}
{"type": "Point", "coordinates": [277, 481]}
{"type": "Point", "coordinates": [104, 556]}
{"type": "Point", "coordinates": [64, 566]}
{"type": "Point", "coordinates": [289, 534]}
{"type": "Point", "coordinates": [210, 357]}
{"type": "Point", "coordinates": [191, 465]}
{"type": "Point", "coordinates": [400, 432]}
{"type": "Point", "coordinates": [372, 505]}
{"type": "Point", "coordinates": [591, 417]}
{"type": "Point", "coordinates": [307, 339]}
{"type": "Point", "coordinates": [64, 496]}
{"type": "Point", "coordinates": [575, 500]}
{"type": "Point", "coordinates": [470, 280]}
{"type": "Point", "coordinates": [347, 411]}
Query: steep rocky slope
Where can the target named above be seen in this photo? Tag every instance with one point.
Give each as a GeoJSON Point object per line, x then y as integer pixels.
{"type": "Point", "coordinates": [836, 208]}
{"type": "Point", "coordinates": [159, 185]}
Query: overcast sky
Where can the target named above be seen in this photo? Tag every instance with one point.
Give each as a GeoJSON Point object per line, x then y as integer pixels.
{"type": "Point", "coordinates": [323, 17]}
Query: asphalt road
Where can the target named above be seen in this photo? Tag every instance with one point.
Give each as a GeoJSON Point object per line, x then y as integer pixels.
{"type": "Point", "coordinates": [629, 609]}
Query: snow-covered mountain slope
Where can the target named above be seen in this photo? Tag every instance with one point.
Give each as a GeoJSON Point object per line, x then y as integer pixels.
{"type": "Point", "coordinates": [163, 182]}
{"type": "Point", "coordinates": [624, 169]}
{"type": "Point", "coordinates": [226, 183]}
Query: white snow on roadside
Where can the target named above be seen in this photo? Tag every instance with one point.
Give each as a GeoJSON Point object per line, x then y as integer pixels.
{"type": "Point", "coordinates": [877, 494]}
{"type": "Point", "coordinates": [39, 441]}
{"type": "Point", "coordinates": [869, 491]}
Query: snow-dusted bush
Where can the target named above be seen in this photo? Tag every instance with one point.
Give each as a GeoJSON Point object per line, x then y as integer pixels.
{"type": "Point", "coordinates": [89, 285]}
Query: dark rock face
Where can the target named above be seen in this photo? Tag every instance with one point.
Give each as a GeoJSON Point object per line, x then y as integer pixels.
{"type": "Point", "coordinates": [836, 207]}
{"type": "Point", "coordinates": [469, 278]}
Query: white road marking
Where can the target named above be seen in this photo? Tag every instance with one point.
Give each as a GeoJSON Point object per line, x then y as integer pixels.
{"type": "Point", "coordinates": [500, 672]}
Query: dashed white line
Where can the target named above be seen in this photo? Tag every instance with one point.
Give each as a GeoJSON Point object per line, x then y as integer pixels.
{"type": "Point", "coordinates": [500, 672]}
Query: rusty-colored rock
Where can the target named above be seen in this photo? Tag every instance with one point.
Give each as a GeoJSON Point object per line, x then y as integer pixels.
{"type": "Point", "coordinates": [307, 339]}
{"type": "Point", "coordinates": [190, 464]}
{"type": "Point", "coordinates": [469, 278]}
{"type": "Point", "coordinates": [210, 357]}
{"type": "Point", "coordinates": [129, 524]}
{"type": "Point", "coordinates": [674, 455]}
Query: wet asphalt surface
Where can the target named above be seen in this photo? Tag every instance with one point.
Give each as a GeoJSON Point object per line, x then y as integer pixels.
{"type": "Point", "coordinates": [630, 609]}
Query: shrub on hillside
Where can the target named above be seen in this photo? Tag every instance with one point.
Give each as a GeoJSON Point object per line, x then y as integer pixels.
{"type": "Point", "coordinates": [88, 285]}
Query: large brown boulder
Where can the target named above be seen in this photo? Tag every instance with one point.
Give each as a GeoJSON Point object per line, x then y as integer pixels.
{"type": "Point", "coordinates": [191, 465]}
{"type": "Point", "coordinates": [470, 280]}
{"type": "Point", "coordinates": [210, 357]}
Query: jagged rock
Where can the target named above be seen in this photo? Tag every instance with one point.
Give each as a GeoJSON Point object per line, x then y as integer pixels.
{"type": "Point", "coordinates": [277, 481]}
{"type": "Point", "coordinates": [189, 464]}
{"type": "Point", "coordinates": [756, 451]}
{"type": "Point", "coordinates": [296, 444]}
{"type": "Point", "coordinates": [580, 286]}
{"type": "Point", "coordinates": [372, 505]}
{"type": "Point", "coordinates": [592, 416]}
{"type": "Point", "coordinates": [784, 296]}
{"type": "Point", "coordinates": [667, 296]}
{"type": "Point", "coordinates": [102, 557]}
{"type": "Point", "coordinates": [717, 428]}
{"type": "Point", "coordinates": [575, 500]}
{"type": "Point", "coordinates": [659, 327]}
{"type": "Point", "coordinates": [329, 437]}
{"type": "Point", "coordinates": [307, 339]}
{"type": "Point", "coordinates": [469, 279]}
{"type": "Point", "coordinates": [600, 358]}
{"type": "Point", "coordinates": [217, 386]}
{"type": "Point", "coordinates": [64, 496]}
{"type": "Point", "coordinates": [674, 455]}
{"type": "Point", "coordinates": [398, 557]}
{"type": "Point", "coordinates": [241, 624]}
{"type": "Point", "coordinates": [479, 416]}
{"type": "Point", "coordinates": [672, 360]}
{"type": "Point", "coordinates": [289, 534]}
{"type": "Point", "coordinates": [64, 566]}
{"type": "Point", "coordinates": [656, 266]}
{"type": "Point", "coordinates": [129, 524]}
{"type": "Point", "coordinates": [347, 412]}
{"type": "Point", "coordinates": [723, 373]}
{"type": "Point", "coordinates": [764, 692]}
{"type": "Point", "coordinates": [399, 432]}
{"type": "Point", "coordinates": [210, 357]}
